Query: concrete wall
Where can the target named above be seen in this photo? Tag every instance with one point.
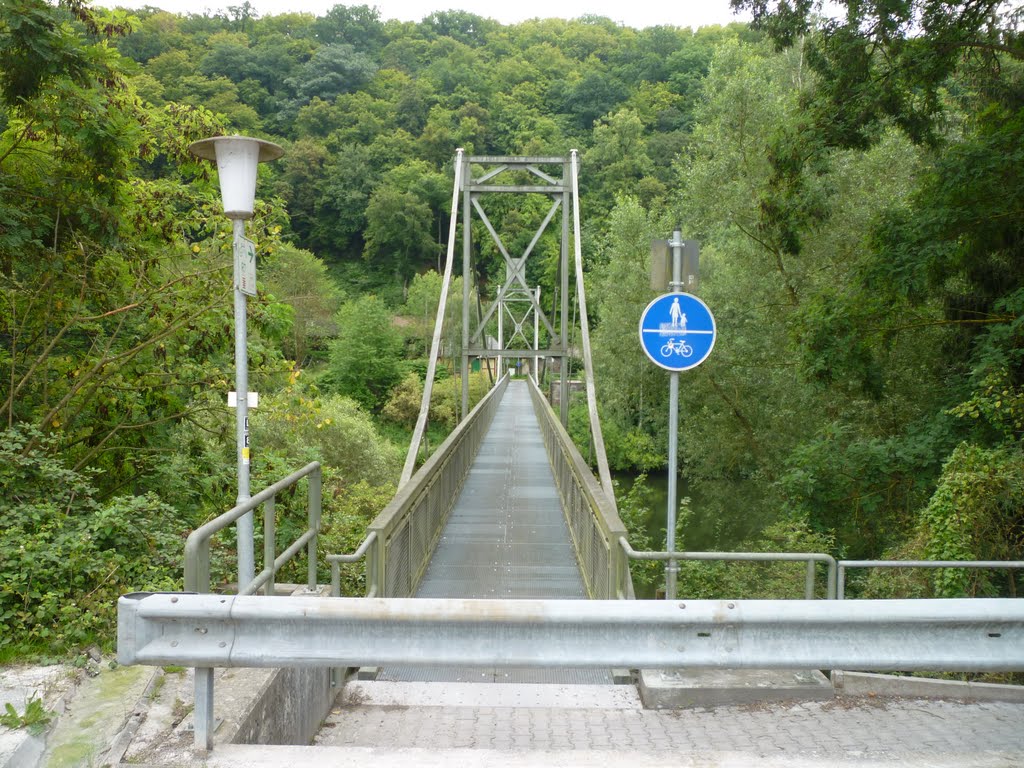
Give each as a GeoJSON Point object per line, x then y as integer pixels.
{"type": "Point", "coordinates": [289, 709]}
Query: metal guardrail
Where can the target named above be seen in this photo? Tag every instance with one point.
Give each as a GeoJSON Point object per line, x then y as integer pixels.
{"type": "Point", "coordinates": [811, 558]}
{"type": "Point", "coordinates": [844, 565]}
{"type": "Point", "coordinates": [197, 546]}
{"type": "Point", "coordinates": [594, 526]}
{"type": "Point", "coordinates": [973, 634]}
{"type": "Point", "coordinates": [405, 532]}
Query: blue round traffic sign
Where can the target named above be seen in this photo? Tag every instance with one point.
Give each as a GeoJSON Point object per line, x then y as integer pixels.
{"type": "Point", "coordinates": [677, 331]}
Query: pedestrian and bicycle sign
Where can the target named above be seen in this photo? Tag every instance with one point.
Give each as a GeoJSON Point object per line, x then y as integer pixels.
{"type": "Point", "coordinates": [677, 331]}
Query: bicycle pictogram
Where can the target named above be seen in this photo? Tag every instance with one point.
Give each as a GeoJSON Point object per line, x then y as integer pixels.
{"type": "Point", "coordinates": [676, 347]}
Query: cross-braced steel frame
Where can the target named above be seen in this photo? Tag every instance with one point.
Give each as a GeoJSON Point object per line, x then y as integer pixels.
{"type": "Point", "coordinates": [515, 292]}
{"type": "Point", "coordinates": [514, 300]}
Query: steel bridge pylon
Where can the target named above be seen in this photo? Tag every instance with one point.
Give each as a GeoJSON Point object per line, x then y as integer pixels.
{"type": "Point", "coordinates": [505, 175]}
{"type": "Point", "coordinates": [515, 300]}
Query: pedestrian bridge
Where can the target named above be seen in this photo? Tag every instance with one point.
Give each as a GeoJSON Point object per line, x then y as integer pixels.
{"type": "Point", "coordinates": [502, 559]}
{"type": "Point", "coordinates": [507, 508]}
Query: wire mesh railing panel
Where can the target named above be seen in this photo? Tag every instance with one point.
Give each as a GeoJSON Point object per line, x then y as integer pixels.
{"type": "Point", "coordinates": [399, 580]}
{"type": "Point", "coordinates": [409, 527]}
{"type": "Point", "coordinates": [594, 525]}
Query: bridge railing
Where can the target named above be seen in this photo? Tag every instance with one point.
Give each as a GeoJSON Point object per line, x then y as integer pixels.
{"type": "Point", "coordinates": [845, 565]}
{"type": "Point", "coordinates": [401, 539]}
{"type": "Point", "coordinates": [812, 559]}
{"type": "Point", "coordinates": [197, 546]}
{"type": "Point", "coordinates": [594, 526]}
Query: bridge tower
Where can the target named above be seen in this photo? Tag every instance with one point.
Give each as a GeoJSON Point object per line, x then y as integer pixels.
{"type": "Point", "coordinates": [515, 301]}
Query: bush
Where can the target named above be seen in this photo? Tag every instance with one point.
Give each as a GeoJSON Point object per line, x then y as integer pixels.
{"type": "Point", "coordinates": [351, 509]}
{"type": "Point", "coordinates": [446, 400]}
{"type": "Point", "coordinates": [758, 581]}
{"type": "Point", "coordinates": [365, 358]}
{"type": "Point", "coordinates": [66, 556]}
{"type": "Point", "coordinates": [403, 405]}
{"type": "Point", "coordinates": [334, 430]}
{"type": "Point", "coordinates": [634, 511]}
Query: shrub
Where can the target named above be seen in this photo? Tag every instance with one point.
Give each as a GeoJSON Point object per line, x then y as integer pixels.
{"type": "Point", "coordinates": [403, 405]}
{"type": "Point", "coordinates": [66, 556]}
{"type": "Point", "coordinates": [364, 359]}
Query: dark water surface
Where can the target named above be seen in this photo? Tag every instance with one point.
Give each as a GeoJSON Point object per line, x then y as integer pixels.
{"type": "Point", "coordinates": [702, 532]}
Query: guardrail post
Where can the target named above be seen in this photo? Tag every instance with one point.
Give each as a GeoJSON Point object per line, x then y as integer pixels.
{"type": "Point", "coordinates": [202, 713]}
{"type": "Point", "coordinates": [269, 542]}
{"type": "Point", "coordinates": [315, 508]}
{"type": "Point", "coordinates": [809, 580]}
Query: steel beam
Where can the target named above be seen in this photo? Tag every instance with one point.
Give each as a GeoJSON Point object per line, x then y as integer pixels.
{"type": "Point", "coordinates": [515, 160]}
{"type": "Point", "coordinates": [482, 352]}
{"type": "Point", "coordinates": [519, 189]}
{"type": "Point", "coordinates": [249, 631]}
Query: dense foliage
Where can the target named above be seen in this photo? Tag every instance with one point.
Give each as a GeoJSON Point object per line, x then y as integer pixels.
{"type": "Point", "coordinates": [855, 182]}
{"type": "Point", "coordinates": [857, 191]}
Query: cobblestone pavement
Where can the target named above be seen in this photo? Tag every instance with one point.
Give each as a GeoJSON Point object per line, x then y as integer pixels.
{"type": "Point", "coordinates": [868, 728]}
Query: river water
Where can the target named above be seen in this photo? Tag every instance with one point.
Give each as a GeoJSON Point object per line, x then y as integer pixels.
{"type": "Point", "coordinates": [701, 533]}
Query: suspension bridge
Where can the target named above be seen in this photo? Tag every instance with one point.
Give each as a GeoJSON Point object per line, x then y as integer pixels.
{"type": "Point", "coordinates": [499, 613]}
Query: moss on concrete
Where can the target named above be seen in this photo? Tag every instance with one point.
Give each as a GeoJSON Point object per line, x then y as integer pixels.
{"type": "Point", "coordinates": [99, 709]}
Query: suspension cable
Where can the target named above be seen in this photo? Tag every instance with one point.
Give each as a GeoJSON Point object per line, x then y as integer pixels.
{"type": "Point", "coordinates": [435, 344]}
{"type": "Point", "coordinates": [581, 296]}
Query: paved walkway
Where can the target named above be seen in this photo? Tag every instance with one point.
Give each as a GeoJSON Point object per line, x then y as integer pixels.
{"type": "Point", "coordinates": [840, 731]}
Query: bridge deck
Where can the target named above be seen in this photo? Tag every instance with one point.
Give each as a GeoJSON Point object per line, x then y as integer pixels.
{"type": "Point", "coordinates": [506, 538]}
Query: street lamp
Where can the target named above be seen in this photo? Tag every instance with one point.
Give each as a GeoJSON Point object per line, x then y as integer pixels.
{"type": "Point", "coordinates": [237, 158]}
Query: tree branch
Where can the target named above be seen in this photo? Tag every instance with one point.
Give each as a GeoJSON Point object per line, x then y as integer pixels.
{"type": "Point", "coordinates": [109, 361]}
{"type": "Point", "coordinates": [790, 290]}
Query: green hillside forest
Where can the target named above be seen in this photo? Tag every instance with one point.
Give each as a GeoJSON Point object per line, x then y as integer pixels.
{"type": "Point", "coordinates": [856, 182]}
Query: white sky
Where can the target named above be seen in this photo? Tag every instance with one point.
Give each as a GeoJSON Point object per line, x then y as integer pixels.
{"type": "Point", "coordinates": [680, 13]}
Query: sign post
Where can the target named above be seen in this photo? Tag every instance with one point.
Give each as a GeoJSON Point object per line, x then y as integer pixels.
{"type": "Point", "coordinates": [677, 333]}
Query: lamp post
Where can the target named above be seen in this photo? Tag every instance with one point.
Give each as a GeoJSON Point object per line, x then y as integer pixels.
{"type": "Point", "coordinates": [237, 158]}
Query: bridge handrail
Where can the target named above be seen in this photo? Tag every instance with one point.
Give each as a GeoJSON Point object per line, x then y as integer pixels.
{"type": "Point", "coordinates": [372, 588]}
{"type": "Point", "coordinates": [811, 558]}
{"type": "Point", "coordinates": [843, 565]}
{"type": "Point", "coordinates": [197, 546]}
{"type": "Point", "coordinates": [407, 529]}
{"type": "Point", "coordinates": [602, 562]}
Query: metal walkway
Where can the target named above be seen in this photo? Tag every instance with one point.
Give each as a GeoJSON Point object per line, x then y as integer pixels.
{"type": "Point", "coordinates": [506, 537]}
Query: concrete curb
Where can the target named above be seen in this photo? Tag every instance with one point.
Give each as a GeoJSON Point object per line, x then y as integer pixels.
{"type": "Point", "coordinates": [683, 689]}
{"type": "Point", "coordinates": [29, 751]}
{"type": "Point", "coordinates": [872, 684]}
{"type": "Point", "coordinates": [123, 739]}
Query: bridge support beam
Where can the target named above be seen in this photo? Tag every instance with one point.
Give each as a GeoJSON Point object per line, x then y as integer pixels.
{"type": "Point", "coordinates": [246, 631]}
{"type": "Point", "coordinates": [507, 175]}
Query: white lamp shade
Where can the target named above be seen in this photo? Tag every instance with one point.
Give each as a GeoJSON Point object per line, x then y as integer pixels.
{"type": "Point", "coordinates": [237, 158]}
